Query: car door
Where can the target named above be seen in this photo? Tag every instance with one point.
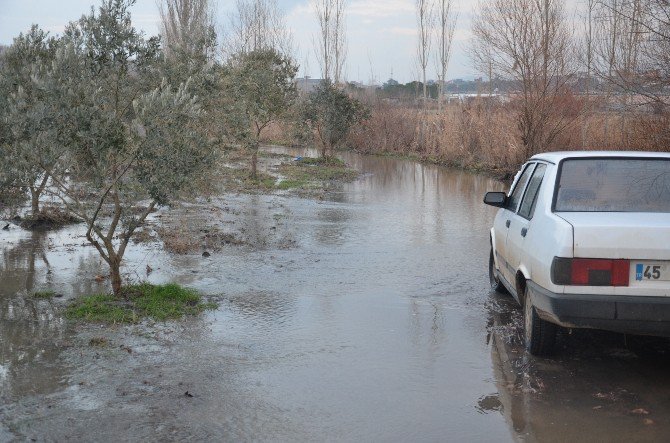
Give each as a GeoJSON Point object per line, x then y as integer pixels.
{"type": "Point", "coordinates": [521, 221]}
{"type": "Point", "coordinates": [503, 222]}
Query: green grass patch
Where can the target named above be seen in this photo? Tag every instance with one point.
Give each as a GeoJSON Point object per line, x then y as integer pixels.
{"type": "Point", "coordinates": [44, 294]}
{"type": "Point", "coordinates": [307, 174]}
{"type": "Point", "coordinates": [102, 308]}
{"type": "Point", "coordinates": [312, 172]}
{"type": "Point", "coordinates": [322, 161]}
{"type": "Point", "coordinates": [291, 184]}
{"type": "Point", "coordinates": [239, 179]}
{"type": "Point", "coordinates": [266, 154]}
{"type": "Point", "coordinates": [262, 181]}
{"type": "Point", "coordinates": [136, 302]}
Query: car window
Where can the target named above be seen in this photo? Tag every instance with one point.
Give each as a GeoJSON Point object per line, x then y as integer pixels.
{"type": "Point", "coordinates": [614, 185]}
{"type": "Point", "coordinates": [530, 197]}
{"type": "Point", "coordinates": [517, 192]}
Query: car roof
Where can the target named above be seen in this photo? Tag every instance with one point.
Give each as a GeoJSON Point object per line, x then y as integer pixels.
{"type": "Point", "coordinates": [555, 157]}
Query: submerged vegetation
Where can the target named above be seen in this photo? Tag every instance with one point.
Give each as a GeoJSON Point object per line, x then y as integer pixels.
{"type": "Point", "coordinates": [314, 173]}
{"type": "Point", "coordinates": [46, 293]}
{"type": "Point", "coordinates": [137, 302]}
{"type": "Point", "coordinates": [48, 217]}
{"type": "Point", "coordinates": [303, 173]}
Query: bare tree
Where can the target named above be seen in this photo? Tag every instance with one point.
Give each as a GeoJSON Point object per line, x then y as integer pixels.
{"type": "Point", "coordinates": [634, 43]}
{"type": "Point", "coordinates": [257, 25]}
{"type": "Point", "coordinates": [187, 26]}
{"type": "Point", "coordinates": [339, 40]}
{"type": "Point", "coordinates": [446, 21]}
{"type": "Point", "coordinates": [528, 41]}
{"type": "Point", "coordinates": [424, 17]}
{"type": "Point", "coordinates": [618, 53]}
{"type": "Point", "coordinates": [588, 46]}
{"type": "Point", "coordinates": [331, 42]}
{"type": "Point", "coordinates": [322, 43]}
{"type": "Point", "coordinates": [656, 51]}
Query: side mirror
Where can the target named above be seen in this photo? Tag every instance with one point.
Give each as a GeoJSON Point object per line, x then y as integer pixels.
{"type": "Point", "coordinates": [497, 199]}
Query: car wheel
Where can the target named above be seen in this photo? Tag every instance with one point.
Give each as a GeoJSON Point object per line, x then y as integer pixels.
{"type": "Point", "coordinates": [540, 335]}
{"type": "Point", "coordinates": [496, 284]}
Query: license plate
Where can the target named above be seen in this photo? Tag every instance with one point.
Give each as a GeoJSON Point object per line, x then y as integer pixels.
{"type": "Point", "coordinates": [649, 271]}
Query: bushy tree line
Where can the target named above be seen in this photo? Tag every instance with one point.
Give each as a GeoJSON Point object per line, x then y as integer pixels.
{"type": "Point", "coordinates": [112, 124]}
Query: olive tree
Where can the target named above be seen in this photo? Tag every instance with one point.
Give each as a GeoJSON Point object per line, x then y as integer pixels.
{"type": "Point", "coordinates": [259, 89]}
{"type": "Point", "coordinates": [132, 142]}
{"type": "Point", "coordinates": [29, 152]}
{"type": "Point", "coordinates": [329, 114]}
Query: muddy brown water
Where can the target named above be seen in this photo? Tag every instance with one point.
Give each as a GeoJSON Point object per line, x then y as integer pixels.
{"type": "Point", "coordinates": [365, 316]}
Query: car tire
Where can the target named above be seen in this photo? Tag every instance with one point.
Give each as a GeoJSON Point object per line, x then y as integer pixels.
{"type": "Point", "coordinates": [540, 335]}
{"type": "Point", "coordinates": [496, 284]}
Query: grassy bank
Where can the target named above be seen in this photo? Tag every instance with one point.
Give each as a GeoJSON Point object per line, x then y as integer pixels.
{"type": "Point", "coordinates": [286, 173]}
{"type": "Point", "coordinates": [485, 137]}
{"type": "Point", "coordinates": [137, 302]}
{"type": "Point", "coordinates": [314, 173]}
{"type": "Point", "coordinates": [45, 294]}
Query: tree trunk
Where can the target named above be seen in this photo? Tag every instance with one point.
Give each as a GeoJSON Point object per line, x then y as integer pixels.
{"type": "Point", "coordinates": [322, 142]}
{"type": "Point", "coordinates": [35, 201]}
{"type": "Point", "coordinates": [254, 164]}
{"type": "Point", "coordinates": [115, 275]}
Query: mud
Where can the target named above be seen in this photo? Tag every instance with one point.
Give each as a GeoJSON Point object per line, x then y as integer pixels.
{"type": "Point", "coordinates": [362, 316]}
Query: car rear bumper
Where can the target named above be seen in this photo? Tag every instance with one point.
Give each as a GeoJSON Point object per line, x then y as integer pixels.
{"type": "Point", "coordinates": [628, 314]}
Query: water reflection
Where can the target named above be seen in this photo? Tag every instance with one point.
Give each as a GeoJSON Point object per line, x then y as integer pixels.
{"type": "Point", "coordinates": [599, 385]}
{"type": "Point", "coordinates": [263, 306]}
{"type": "Point", "coordinates": [332, 226]}
{"type": "Point", "coordinates": [20, 261]}
{"type": "Point", "coordinates": [30, 329]}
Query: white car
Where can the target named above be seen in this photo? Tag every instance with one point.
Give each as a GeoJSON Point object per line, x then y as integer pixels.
{"type": "Point", "coordinates": [583, 241]}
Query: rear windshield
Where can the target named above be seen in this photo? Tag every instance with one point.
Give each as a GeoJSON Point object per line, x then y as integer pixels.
{"type": "Point", "coordinates": [614, 185]}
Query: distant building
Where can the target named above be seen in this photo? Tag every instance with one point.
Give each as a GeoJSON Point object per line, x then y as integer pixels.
{"type": "Point", "coordinates": [390, 83]}
{"type": "Point", "coordinates": [306, 84]}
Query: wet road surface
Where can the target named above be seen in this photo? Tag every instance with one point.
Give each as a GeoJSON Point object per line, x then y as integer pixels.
{"type": "Point", "coordinates": [363, 316]}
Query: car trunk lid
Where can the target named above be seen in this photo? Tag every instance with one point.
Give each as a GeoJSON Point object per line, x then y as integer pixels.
{"type": "Point", "coordinates": [620, 235]}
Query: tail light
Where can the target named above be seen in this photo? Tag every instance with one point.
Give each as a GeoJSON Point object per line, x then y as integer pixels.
{"type": "Point", "coordinates": [590, 272]}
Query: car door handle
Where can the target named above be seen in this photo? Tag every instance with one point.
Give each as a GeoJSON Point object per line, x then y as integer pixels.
{"type": "Point", "coordinates": [507, 223]}
{"type": "Point", "coordinates": [524, 231]}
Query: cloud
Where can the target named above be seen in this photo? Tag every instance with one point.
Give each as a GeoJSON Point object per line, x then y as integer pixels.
{"type": "Point", "coordinates": [146, 18]}
{"type": "Point", "coordinates": [380, 8]}
{"type": "Point", "coordinates": [150, 23]}
{"type": "Point", "coordinates": [54, 29]}
{"type": "Point", "coordinates": [402, 31]}
{"type": "Point", "coordinates": [300, 10]}
{"type": "Point", "coordinates": [382, 37]}
{"type": "Point", "coordinates": [462, 34]}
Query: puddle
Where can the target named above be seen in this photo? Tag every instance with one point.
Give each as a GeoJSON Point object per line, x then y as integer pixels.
{"type": "Point", "coordinates": [362, 316]}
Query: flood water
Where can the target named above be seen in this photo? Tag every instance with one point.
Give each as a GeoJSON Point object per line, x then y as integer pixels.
{"type": "Point", "coordinates": [362, 316]}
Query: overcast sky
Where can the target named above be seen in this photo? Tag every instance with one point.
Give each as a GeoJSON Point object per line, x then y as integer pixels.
{"type": "Point", "coordinates": [381, 33]}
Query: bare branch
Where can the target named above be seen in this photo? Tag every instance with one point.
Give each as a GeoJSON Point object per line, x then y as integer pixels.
{"type": "Point", "coordinates": [331, 42]}
{"type": "Point", "coordinates": [257, 25]}
{"type": "Point", "coordinates": [425, 20]}
{"type": "Point", "coordinates": [446, 21]}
